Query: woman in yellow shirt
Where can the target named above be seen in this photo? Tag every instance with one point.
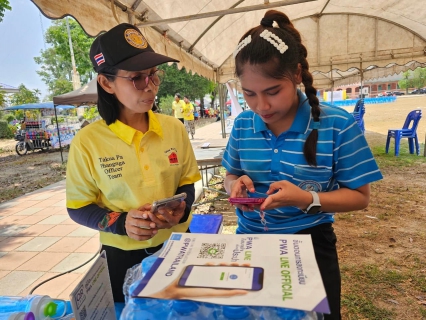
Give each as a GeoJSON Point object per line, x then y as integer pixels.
{"type": "Point", "coordinates": [118, 166]}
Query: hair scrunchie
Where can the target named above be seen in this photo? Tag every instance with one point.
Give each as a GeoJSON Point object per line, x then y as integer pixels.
{"type": "Point", "coordinates": [267, 22]}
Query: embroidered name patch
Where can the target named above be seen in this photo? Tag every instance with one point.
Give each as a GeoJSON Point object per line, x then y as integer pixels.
{"type": "Point", "coordinates": [172, 156]}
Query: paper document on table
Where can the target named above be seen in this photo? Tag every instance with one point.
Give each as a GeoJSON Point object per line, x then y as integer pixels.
{"type": "Point", "coordinates": [259, 270]}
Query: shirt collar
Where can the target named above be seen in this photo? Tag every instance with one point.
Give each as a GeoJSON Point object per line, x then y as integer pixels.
{"type": "Point", "coordinates": [301, 121]}
{"type": "Point", "coordinates": [127, 133]}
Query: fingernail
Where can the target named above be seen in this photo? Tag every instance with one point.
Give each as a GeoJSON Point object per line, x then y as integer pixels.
{"type": "Point", "coordinates": [152, 225]}
{"type": "Point", "coordinates": [144, 216]}
{"type": "Point", "coordinates": [154, 231]}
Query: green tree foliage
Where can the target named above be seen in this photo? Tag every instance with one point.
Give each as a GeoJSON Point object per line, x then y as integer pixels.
{"type": "Point", "coordinates": [416, 79]}
{"type": "Point", "coordinates": [180, 81]}
{"type": "Point", "coordinates": [9, 117]}
{"type": "Point", "coordinates": [405, 82]}
{"type": "Point", "coordinates": [5, 131]}
{"type": "Point", "coordinates": [419, 79]}
{"type": "Point", "coordinates": [55, 61]}
{"type": "Point", "coordinates": [2, 98]}
{"type": "Point", "coordinates": [166, 104]}
{"type": "Point", "coordinates": [4, 5]}
{"type": "Point", "coordinates": [25, 96]}
{"type": "Point", "coordinates": [91, 113]}
{"type": "Point", "coordinates": [61, 86]}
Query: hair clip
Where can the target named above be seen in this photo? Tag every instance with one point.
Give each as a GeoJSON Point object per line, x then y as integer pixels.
{"type": "Point", "coordinates": [316, 125]}
{"type": "Point", "coordinates": [242, 44]}
{"type": "Point", "coordinates": [274, 40]}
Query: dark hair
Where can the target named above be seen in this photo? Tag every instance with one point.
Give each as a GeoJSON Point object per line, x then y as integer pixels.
{"type": "Point", "coordinates": [186, 97]}
{"type": "Point", "coordinates": [177, 95]}
{"type": "Point", "coordinates": [279, 66]}
{"type": "Point", "coordinates": [108, 104]}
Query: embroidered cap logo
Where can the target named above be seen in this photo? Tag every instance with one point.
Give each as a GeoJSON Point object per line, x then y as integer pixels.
{"type": "Point", "coordinates": [135, 39]}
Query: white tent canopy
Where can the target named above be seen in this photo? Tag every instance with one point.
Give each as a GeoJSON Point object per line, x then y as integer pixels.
{"type": "Point", "coordinates": [343, 37]}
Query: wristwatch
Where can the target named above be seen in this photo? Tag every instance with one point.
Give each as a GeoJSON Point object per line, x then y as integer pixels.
{"type": "Point", "coordinates": [315, 206]}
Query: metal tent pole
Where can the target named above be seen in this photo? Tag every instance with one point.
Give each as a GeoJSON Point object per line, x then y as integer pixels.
{"type": "Point", "coordinates": [59, 135]}
{"type": "Point", "coordinates": [222, 102]}
{"type": "Point", "coordinates": [362, 76]}
{"type": "Point", "coordinates": [332, 81]}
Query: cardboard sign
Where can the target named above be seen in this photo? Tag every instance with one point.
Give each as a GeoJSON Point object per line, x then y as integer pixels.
{"type": "Point", "coordinates": [275, 270]}
{"type": "Point", "coordinates": [92, 298]}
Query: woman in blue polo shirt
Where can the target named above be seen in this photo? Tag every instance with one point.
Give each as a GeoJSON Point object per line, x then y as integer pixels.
{"type": "Point", "coordinates": [309, 162]}
{"type": "Point", "coordinates": [118, 166]}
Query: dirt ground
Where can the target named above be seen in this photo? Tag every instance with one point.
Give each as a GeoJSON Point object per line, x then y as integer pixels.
{"type": "Point", "coordinates": [381, 248]}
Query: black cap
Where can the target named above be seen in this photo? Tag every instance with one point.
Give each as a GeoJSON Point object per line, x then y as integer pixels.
{"type": "Point", "coordinates": [124, 47]}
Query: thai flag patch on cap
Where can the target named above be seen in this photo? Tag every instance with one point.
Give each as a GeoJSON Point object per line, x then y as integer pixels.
{"type": "Point", "coordinates": [99, 58]}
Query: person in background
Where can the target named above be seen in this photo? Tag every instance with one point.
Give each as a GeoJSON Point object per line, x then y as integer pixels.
{"type": "Point", "coordinates": [118, 166]}
{"type": "Point", "coordinates": [155, 108]}
{"type": "Point", "coordinates": [197, 113]}
{"type": "Point", "coordinates": [23, 124]}
{"type": "Point", "coordinates": [188, 116]}
{"type": "Point", "coordinates": [177, 106]}
{"type": "Point", "coordinates": [309, 162]}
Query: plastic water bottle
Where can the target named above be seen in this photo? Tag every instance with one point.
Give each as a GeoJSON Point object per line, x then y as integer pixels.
{"type": "Point", "coordinates": [147, 264]}
{"type": "Point", "coordinates": [208, 311]}
{"type": "Point", "coordinates": [146, 309]}
{"type": "Point", "coordinates": [185, 310]}
{"type": "Point", "coordinates": [17, 316]}
{"type": "Point", "coordinates": [236, 312]}
{"type": "Point", "coordinates": [284, 313]}
{"type": "Point", "coordinates": [41, 306]}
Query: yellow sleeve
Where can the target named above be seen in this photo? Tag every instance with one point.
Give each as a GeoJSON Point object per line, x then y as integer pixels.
{"type": "Point", "coordinates": [81, 189]}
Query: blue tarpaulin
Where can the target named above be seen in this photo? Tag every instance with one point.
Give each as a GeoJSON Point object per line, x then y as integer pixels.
{"type": "Point", "coordinates": [41, 105]}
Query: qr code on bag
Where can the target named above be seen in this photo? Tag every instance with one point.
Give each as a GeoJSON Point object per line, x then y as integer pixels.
{"type": "Point", "coordinates": [83, 313]}
{"type": "Point", "coordinates": [212, 250]}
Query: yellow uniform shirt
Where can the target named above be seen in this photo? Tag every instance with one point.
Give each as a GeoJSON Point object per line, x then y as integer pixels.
{"type": "Point", "coordinates": [178, 108]}
{"type": "Point", "coordinates": [188, 111]}
{"type": "Point", "coordinates": [120, 168]}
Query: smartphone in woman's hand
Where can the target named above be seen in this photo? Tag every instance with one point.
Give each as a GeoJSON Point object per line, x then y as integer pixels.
{"type": "Point", "coordinates": [171, 202]}
{"type": "Point", "coordinates": [246, 201]}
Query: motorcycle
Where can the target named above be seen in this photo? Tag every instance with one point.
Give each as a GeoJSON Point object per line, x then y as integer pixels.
{"type": "Point", "coordinates": [24, 144]}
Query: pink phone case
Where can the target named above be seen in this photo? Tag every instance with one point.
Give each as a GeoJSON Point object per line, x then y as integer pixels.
{"type": "Point", "coordinates": [246, 201]}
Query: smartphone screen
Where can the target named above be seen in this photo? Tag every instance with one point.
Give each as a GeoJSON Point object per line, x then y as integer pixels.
{"type": "Point", "coordinates": [222, 277]}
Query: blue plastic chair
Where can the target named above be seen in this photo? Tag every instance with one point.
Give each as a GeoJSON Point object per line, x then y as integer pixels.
{"type": "Point", "coordinates": [412, 120]}
{"type": "Point", "coordinates": [358, 114]}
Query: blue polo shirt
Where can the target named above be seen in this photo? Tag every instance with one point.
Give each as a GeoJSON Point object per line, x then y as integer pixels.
{"type": "Point", "coordinates": [344, 159]}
